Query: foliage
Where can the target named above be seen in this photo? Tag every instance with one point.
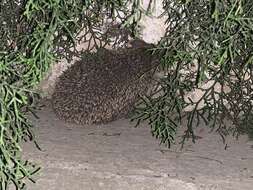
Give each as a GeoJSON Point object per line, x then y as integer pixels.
{"type": "Point", "coordinates": [207, 53]}
{"type": "Point", "coordinates": [33, 35]}
{"type": "Point", "coordinates": [207, 42]}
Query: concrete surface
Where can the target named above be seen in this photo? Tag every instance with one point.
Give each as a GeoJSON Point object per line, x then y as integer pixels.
{"type": "Point", "coordinates": [120, 157]}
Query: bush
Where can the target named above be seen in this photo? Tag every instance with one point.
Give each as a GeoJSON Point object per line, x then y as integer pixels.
{"type": "Point", "coordinates": [207, 42]}
{"type": "Point", "coordinates": [207, 52]}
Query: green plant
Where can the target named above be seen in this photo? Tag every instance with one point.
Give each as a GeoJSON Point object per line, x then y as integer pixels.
{"type": "Point", "coordinates": [206, 40]}
{"type": "Point", "coordinates": [33, 35]}
{"type": "Point", "coordinates": [208, 49]}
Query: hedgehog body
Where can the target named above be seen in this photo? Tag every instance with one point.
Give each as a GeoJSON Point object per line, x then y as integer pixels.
{"type": "Point", "coordinates": [103, 86]}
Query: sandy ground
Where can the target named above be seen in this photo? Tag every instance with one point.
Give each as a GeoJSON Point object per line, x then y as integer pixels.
{"type": "Point", "coordinates": [120, 157]}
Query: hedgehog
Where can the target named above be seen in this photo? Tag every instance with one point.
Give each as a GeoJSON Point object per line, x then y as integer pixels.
{"type": "Point", "coordinates": [104, 86]}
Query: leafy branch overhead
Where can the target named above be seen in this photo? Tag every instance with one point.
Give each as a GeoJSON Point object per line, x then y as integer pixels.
{"type": "Point", "coordinates": [207, 55]}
